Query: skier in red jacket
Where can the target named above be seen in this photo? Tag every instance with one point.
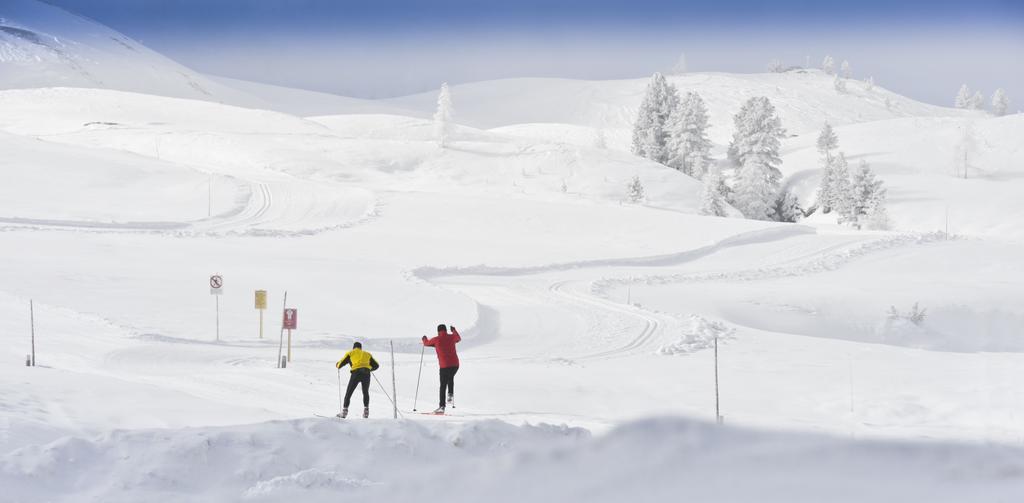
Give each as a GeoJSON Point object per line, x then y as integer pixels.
{"type": "Point", "coordinates": [448, 360]}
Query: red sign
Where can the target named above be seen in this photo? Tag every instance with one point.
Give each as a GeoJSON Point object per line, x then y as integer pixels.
{"type": "Point", "coordinates": [291, 319]}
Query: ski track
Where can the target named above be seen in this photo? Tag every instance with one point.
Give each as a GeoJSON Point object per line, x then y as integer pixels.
{"type": "Point", "coordinates": [652, 324]}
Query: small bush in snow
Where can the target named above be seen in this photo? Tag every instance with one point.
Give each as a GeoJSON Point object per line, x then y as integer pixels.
{"type": "Point", "coordinates": [635, 190]}
{"type": "Point", "coordinates": [915, 315]}
{"type": "Point", "coordinates": [701, 334]}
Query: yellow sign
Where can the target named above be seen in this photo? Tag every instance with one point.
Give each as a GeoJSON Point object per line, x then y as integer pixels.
{"type": "Point", "coordinates": [261, 299]}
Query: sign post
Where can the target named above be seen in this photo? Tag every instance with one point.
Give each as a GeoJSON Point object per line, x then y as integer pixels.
{"type": "Point", "coordinates": [32, 320]}
{"type": "Point", "coordinates": [291, 322]}
{"type": "Point", "coordinates": [261, 305]}
{"type": "Point", "coordinates": [216, 284]}
{"type": "Point", "coordinates": [280, 341]}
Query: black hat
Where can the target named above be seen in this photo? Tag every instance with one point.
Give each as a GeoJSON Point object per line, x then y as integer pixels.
{"type": "Point", "coordinates": [442, 328]}
{"type": "Point", "coordinates": [357, 345]}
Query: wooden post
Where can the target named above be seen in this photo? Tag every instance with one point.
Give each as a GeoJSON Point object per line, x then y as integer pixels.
{"type": "Point", "coordinates": [261, 323]}
{"type": "Point", "coordinates": [394, 386]}
{"type": "Point", "coordinates": [280, 343]}
{"type": "Point", "coordinates": [217, 297]}
{"type": "Point", "coordinates": [32, 321]}
{"type": "Point", "coordinates": [289, 345]}
{"type": "Point", "coordinates": [718, 410]}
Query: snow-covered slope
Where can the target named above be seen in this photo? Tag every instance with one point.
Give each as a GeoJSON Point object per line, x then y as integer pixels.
{"type": "Point", "coordinates": [920, 161]}
{"type": "Point", "coordinates": [42, 46]}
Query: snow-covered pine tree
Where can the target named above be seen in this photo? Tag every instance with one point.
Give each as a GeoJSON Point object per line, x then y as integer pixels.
{"type": "Point", "coordinates": [754, 193]}
{"type": "Point", "coordinates": [787, 206]}
{"type": "Point", "coordinates": [829, 65]}
{"type": "Point", "coordinates": [867, 190]}
{"type": "Point", "coordinates": [1000, 103]}
{"type": "Point", "coordinates": [680, 67]}
{"type": "Point", "coordinates": [964, 150]}
{"type": "Point", "coordinates": [963, 97]}
{"type": "Point", "coordinates": [877, 218]}
{"type": "Point", "coordinates": [775, 66]}
{"type": "Point", "coordinates": [869, 84]}
{"type": "Point", "coordinates": [443, 117]}
{"type": "Point", "coordinates": [650, 132]}
{"type": "Point", "coordinates": [635, 190]}
{"type": "Point", "coordinates": [844, 70]}
{"type": "Point", "coordinates": [841, 194]}
{"type": "Point", "coordinates": [840, 84]}
{"type": "Point", "coordinates": [712, 200]}
{"type": "Point", "coordinates": [977, 101]}
{"type": "Point", "coordinates": [755, 150]}
{"type": "Point", "coordinates": [827, 143]}
{"type": "Point", "coordinates": [689, 149]}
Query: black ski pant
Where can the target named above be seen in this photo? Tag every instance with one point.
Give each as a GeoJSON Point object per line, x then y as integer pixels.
{"type": "Point", "coordinates": [447, 382]}
{"type": "Point", "coordinates": [361, 376]}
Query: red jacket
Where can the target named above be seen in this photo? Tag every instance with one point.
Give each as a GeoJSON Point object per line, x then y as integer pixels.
{"type": "Point", "coordinates": [444, 344]}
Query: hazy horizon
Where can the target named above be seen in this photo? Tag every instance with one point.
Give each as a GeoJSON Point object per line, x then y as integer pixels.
{"type": "Point", "coordinates": [925, 50]}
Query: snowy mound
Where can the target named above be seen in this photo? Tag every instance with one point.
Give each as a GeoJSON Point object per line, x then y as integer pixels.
{"type": "Point", "coordinates": [655, 460]}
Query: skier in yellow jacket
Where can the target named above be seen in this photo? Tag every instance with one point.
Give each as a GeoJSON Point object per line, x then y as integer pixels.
{"type": "Point", "coordinates": [362, 363]}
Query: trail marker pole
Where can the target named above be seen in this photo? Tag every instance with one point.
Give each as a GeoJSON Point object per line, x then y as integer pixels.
{"type": "Point", "coordinates": [718, 411]}
{"type": "Point", "coordinates": [418, 376]}
{"type": "Point", "coordinates": [383, 389]}
{"type": "Point", "coordinates": [32, 322]}
{"type": "Point", "coordinates": [280, 343]}
{"type": "Point", "coordinates": [291, 322]}
{"type": "Point", "coordinates": [394, 385]}
{"type": "Point", "coordinates": [261, 305]}
{"type": "Point", "coordinates": [216, 289]}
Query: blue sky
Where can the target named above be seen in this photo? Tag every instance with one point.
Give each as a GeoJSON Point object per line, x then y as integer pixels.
{"type": "Point", "coordinates": [368, 48]}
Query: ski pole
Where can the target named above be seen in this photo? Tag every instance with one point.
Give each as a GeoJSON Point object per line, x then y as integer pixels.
{"type": "Point", "coordinates": [385, 392]}
{"type": "Point", "coordinates": [341, 403]}
{"type": "Point", "coordinates": [418, 376]}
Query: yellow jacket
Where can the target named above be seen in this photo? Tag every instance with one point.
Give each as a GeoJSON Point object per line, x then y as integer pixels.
{"type": "Point", "coordinates": [358, 359]}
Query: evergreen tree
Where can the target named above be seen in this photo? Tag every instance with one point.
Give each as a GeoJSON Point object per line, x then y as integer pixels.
{"type": "Point", "coordinates": [713, 194]}
{"type": "Point", "coordinates": [787, 207]}
{"type": "Point", "coordinates": [827, 143]}
{"type": "Point", "coordinates": [689, 149]}
{"type": "Point", "coordinates": [829, 65]}
{"type": "Point", "coordinates": [867, 191]}
{"type": "Point", "coordinates": [845, 71]}
{"type": "Point", "coordinates": [869, 83]}
{"type": "Point", "coordinates": [680, 66]}
{"type": "Point", "coordinates": [755, 149]}
{"type": "Point", "coordinates": [635, 190]}
{"type": "Point", "coordinates": [775, 66]}
{"type": "Point", "coordinates": [877, 218]}
{"type": "Point", "coordinates": [1000, 103]}
{"type": "Point", "coordinates": [841, 193]}
{"type": "Point", "coordinates": [650, 132]}
{"type": "Point", "coordinates": [963, 98]}
{"type": "Point", "coordinates": [840, 84]}
{"type": "Point", "coordinates": [443, 117]}
{"type": "Point", "coordinates": [977, 101]}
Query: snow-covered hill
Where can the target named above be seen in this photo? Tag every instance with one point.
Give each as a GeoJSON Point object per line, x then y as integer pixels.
{"type": "Point", "coordinates": [805, 100]}
{"type": "Point", "coordinates": [42, 46]}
